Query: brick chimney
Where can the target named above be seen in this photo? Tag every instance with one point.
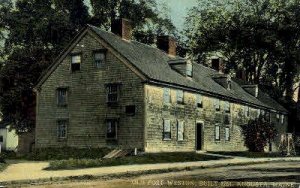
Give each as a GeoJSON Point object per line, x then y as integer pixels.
{"type": "Point", "coordinates": [122, 27]}
{"type": "Point", "coordinates": [217, 64]}
{"type": "Point", "coordinates": [167, 44]}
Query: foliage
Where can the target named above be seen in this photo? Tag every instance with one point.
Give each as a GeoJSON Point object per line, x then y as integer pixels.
{"type": "Point", "coordinates": [143, 159]}
{"type": "Point", "coordinates": [258, 133]}
{"type": "Point", "coordinates": [34, 32]}
{"type": "Point", "coordinates": [260, 37]}
{"type": "Point", "coordinates": [44, 154]}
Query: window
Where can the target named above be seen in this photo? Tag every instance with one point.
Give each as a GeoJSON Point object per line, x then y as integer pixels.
{"type": "Point", "coordinates": [217, 104]}
{"type": "Point", "coordinates": [167, 95]}
{"type": "Point", "coordinates": [199, 101]}
{"type": "Point", "coordinates": [130, 110]}
{"type": "Point", "coordinates": [281, 118]}
{"type": "Point", "coordinates": [99, 58]}
{"type": "Point", "coordinates": [62, 129]}
{"type": "Point", "coordinates": [189, 69]}
{"type": "Point", "coordinates": [167, 130]}
{"type": "Point", "coordinates": [258, 112]}
{"type": "Point", "coordinates": [179, 96]}
{"type": "Point", "coordinates": [180, 130]}
{"type": "Point", "coordinates": [227, 134]}
{"type": "Point", "coordinates": [111, 131]}
{"type": "Point", "coordinates": [1, 139]}
{"type": "Point", "coordinates": [62, 96]}
{"type": "Point", "coordinates": [227, 106]}
{"type": "Point", "coordinates": [278, 117]}
{"type": "Point", "coordinates": [112, 93]}
{"type": "Point", "coordinates": [217, 132]}
{"type": "Point", "coordinates": [247, 111]}
{"type": "Point", "coordinates": [75, 62]}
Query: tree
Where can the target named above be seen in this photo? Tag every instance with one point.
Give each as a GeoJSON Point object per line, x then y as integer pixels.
{"type": "Point", "coordinates": [37, 30]}
{"type": "Point", "coordinates": [258, 133]}
{"type": "Point", "coordinates": [145, 15]}
{"type": "Point", "coordinates": [259, 36]}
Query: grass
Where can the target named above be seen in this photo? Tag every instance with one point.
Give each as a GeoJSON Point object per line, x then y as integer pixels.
{"type": "Point", "coordinates": [45, 154]}
{"type": "Point", "coordinates": [249, 154]}
{"type": "Point", "coordinates": [150, 158]}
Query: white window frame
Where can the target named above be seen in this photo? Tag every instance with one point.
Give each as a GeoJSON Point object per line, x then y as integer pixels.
{"type": "Point", "coordinates": [167, 129]}
{"type": "Point", "coordinates": [180, 130]}
{"type": "Point", "coordinates": [227, 134]}
{"type": "Point", "coordinates": [180, 96]}
{"type": "Point", "coordinates": [281, 118]}
{"type": "Point", "coordinates": [199, 100]}
{"type": "Point", "coordinates": [217, 132]}
{"type": "Point", "coordinates": [189, 69]}
{"type": "Point", "coordinates": [217, 104]}
{"type": "Point", "coordinates": [167, 95]}
{"type": "Point", "coordinates": [76, 59]}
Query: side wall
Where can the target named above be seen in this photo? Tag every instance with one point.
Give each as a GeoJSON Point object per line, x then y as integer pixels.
{"type": "Point", "coordinates": [157, 111]}
{"type": "Point", "coordinates": [87, 109]}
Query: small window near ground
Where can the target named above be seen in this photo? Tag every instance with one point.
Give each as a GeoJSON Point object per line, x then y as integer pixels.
{"type": "Point", "coordinates": [62, 96]}
{"type": "Point", "coordinates": [227, 134]}
{"type": "Point", "coordinates": [111, 131]}
{"type": "Point", "coordinates": [75, 62]}
{"type": "Point", "coordinates": [199, 102]}
{"type": "Point", "coordinates": [167, 129]}
{"type": "Point", "coordinates": [167, 95]}
{"type": "Point", "coordinates": [179, 96]}
{"type": "Point", "coordinates": [130, 110]}
{"type": "Point", "coordinates": [217, 132]}
{"type": "Point", "coordinates": [180, 130]}
{"type": "Point", "coordinates": [99, 59]}
{"type": "Point", "coordinates": [1, 138]}
{"type": "Point", "coordinates": [112, 93]}
{"type": "Point", "coordinates": [62, 128]}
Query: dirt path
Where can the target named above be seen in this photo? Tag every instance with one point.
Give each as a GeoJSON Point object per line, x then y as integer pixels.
{"type": "Point", "coordinates": [34, 170]}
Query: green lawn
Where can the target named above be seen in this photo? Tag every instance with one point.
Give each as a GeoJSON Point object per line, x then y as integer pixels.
{"type": "Point", "coordinates": [249, 154]}
{"type": "Point", "coordinates": [150, 158]}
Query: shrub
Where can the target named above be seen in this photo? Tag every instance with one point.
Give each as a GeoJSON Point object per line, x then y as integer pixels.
{"type": "Point", "coordinates": [257, 133]}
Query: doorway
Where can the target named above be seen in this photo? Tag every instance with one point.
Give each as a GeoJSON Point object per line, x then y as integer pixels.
{"type": "Point", "coordinates": [199, 135]}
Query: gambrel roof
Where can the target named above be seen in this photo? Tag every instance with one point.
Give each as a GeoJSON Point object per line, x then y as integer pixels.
{"type": "Point", "coordinates": [154, 65]}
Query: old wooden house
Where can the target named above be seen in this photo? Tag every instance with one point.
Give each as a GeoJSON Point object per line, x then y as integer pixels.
{"type": "Point", "coordinates": [107, 90]}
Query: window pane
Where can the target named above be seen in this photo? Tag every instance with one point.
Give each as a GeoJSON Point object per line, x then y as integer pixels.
{"type": "Point", "coordinates": [199, 100]}
{"type": "Point", "coordinates": [189, 69]}
{"type": "Point", "coordinates": [217, 132]}
{"type": "Point", "coordinates": [61, 128]}
{"type": "Point", "coordinates": [99, 56]}
{"type": "Point", "coordinates": [62, 96]}
{"type": "Point", "coordinates": [227, 134]}
{"type": "Point", "coordinates": [167, 129]}
{"type": "Point", "coordinates": [111, 129]}
{"type": "Point", "coordinates": [179, 96]}
{"type": "Point", "coordinates": [76, 59]}
{"type": "Point", "coordinates": [166, 95]}
{"type": "Point", "coordinates": [180, 130]}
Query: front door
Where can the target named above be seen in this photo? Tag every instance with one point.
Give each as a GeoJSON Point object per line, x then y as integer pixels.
{"type": "Point", "coordinates": [199, 128]}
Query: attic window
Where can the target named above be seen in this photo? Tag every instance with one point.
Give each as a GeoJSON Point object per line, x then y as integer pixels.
{"type": "Point", "coordinates": [199, 102]}
{"type": "Point", "coordinates": [99, 58]}
{"type": "Point", "coordinates": [75, 62]}
{"type": "Point", "coordinates": [189, 69]}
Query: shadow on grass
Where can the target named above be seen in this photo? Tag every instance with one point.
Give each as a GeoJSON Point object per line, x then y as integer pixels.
{"type": "Point", "coordinates": [150, 158]}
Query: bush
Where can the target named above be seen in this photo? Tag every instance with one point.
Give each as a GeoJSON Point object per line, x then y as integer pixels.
{"type": "Point", "coordinates": [257, 133]}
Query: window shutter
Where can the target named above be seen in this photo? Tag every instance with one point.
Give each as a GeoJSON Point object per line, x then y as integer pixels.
{"type": "Point", "coordinates": [227, 134]}
{"type": "Point", "coordinates": [180, 130]}
{"type": "Point", "coordinates": [217, 132]}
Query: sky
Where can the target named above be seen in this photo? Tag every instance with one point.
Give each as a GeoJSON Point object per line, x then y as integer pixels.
{"type": "Point", "coordinates": [178, 10]}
